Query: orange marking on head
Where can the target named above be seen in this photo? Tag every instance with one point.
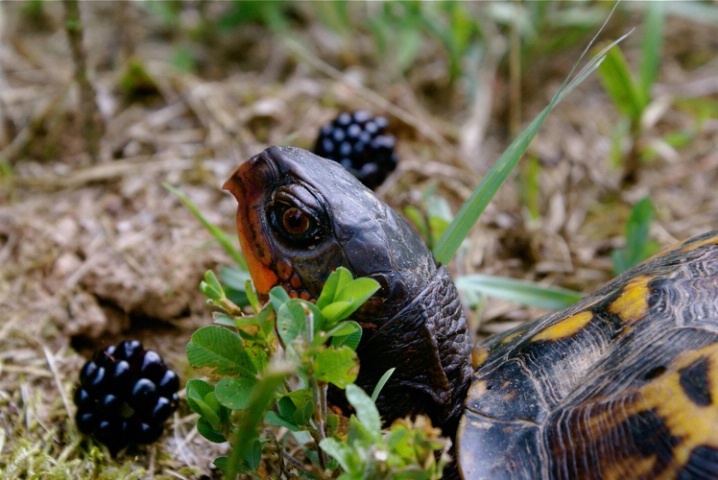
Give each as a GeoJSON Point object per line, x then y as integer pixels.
{"type": "Point", "coordinates": [264, 278]}
{"type": "Point", "coordinates": [247, 186]}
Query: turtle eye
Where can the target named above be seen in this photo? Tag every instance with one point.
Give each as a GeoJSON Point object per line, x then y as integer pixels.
{"type": "Point", "coordinates": [294, 221]}
{"type": "Point", "coordinates": [295, 216]}
{"type": "Point", "coordinates": [294, 224]}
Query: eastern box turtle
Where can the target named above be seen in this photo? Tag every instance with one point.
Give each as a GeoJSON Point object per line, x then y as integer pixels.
{"type": "Point", "coordinates": [623, 384]}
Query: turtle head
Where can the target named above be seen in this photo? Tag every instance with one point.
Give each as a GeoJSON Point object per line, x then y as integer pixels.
{"type": "Point", "coordinates": [300, 217]}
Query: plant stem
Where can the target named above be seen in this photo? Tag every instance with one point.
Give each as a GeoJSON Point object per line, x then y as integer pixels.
{"type": "Point", "coordinates": [319, 395]}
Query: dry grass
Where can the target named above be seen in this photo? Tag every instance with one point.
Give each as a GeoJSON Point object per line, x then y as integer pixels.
{"type": "Point", "coordinates": [94, 252]}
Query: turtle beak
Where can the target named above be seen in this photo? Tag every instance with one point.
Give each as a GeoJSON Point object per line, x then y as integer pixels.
{"type": "Point", "coordinates": [250, 183]}
{"type": "Point", "coordinates": [232, 184]}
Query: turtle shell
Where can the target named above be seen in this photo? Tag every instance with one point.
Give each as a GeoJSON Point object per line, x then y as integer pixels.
{"type": "Point", "coordinates": [622, 385]}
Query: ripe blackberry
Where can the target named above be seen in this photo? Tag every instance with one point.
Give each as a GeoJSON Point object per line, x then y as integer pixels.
{"type": "Point", "coordinates": [125, 395]}
{"type": "Point", "coordinates": [360, 143]}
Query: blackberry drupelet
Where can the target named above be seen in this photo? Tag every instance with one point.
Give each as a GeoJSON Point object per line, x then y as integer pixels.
{"type": "Point", "coordinates": [125, 395]}
{"type": "Point", "coordinates": [360, 143]}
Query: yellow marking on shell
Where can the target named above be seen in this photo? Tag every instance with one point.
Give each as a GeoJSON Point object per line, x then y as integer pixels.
{"type": "Point", "coordinates": [629, 468]}
{"type": "Point", "coordinates": [511, 337]}
{"type": "Point", "coordinates": [477, 389]}
{"type": "Point", "coordinates": [478, 356]}
{"type": "Point", "coordinates": [565, 328]}
{"type": "Point", "coordinates": [685, 247]}
{"type": "Point", "coordinates": [632, 304]}
{"type": "Point", "coordinates": [695, 424]}
{"type": "Point", "coordinates": [695, 245]}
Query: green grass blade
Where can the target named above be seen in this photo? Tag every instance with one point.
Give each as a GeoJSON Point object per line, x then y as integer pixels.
{"type": "Point", "coordinates": [637, 229]}
{"type": "Point", "coordinates": [470, 211]}
{"type": "Point", "coordinates": [638, 244]}
{"type": "Point", "coordinates": [222, 238]}
{"type": "Point", "coordinates": [519, 291]}
{"type": "Point", "coordinates": [380, 384]}
{"type": "Point", "coordinates": [618, 81]}
{"type": "Point", "coordinates": [652, 45]}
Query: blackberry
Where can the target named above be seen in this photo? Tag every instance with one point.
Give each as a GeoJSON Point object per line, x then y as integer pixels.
{"type": "Point", "coordinates": [125, 395]}
{"type": "Point", "coordinates": [360, 143]}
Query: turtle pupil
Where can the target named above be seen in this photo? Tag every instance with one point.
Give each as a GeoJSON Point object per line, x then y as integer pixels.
{"type": "Point", "coordinates": [295, 221]}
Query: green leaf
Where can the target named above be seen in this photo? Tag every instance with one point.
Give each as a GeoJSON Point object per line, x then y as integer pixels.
{"type": "Point", "coordinates": [293, 322]}
{"type": "Point", "coordinates": [440, 217]}
{"type": "Point", "coordinates": [273, 418]}
{"type": "Point", "coordinates": [233, 392]}
{"type": "Point", "coordinates": [519, 291]}
{"type": "Point", "coordinates": [638, 246]}
{"type": "Point", "coordinates": [252, 298]}
{"type": "Point", "coordinates": [619, 260]}
{"type": "Point", "coordinates": [254, 455]}
{"type": "Point", "coordinates": [343, 453]}
{"type": "Point", "coordinates": [247, 431]}
{"type": "Point", "coordinates": [338, 366]}
{"type": "Point", "coordinates": [380, 384]}
{"type": "Point", "coordinates": [344, 328]}
{"type": "Point", "coordinates": [234, 282]}
{"type": "Point", "coordinates": [350, 339]}
{"type": "Point", "coordinates": [210, 286]}
{"type": "Point", "coordinates": [278, 297]}
{"type": "Point", "coordinates": [297, 406]}
{"type": "Point", "coordinates": [620, 85]}
{"type": "Point", "coordinates": [234, 277]}
{"type": "Point", "coordinates": [221, 463]}
{"type": "Point", "coordinates": [357, 292]}
{"type": "Point", "coordinates": [366, 411]}
{"type": "Point", "coordinates": [216, 351]}
{"type": "Point", "coordinates": [223, 319]}
{"type": "Point", "coordinates": [335, 310]}
{"type": "Point", "coordinates": [637, 229]}
{"type": "Point", "coordinates": [499, 172]}
{"type": "Point", "coordinates": [205, 429]}
{"type": "Point", "coordinates": [200, 397]}
{"type": "Point", "coordinates": [222, 238]}
{"type": "Point", "coordinates": [337, 279]}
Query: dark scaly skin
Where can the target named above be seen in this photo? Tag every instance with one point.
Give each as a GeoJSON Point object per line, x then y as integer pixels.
{"type": "Point", "coordinates": [622, 385]}
{"type": "Point", "coordinates": [414, 322]}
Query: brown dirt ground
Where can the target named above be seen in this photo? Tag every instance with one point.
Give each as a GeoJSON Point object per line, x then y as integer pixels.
{"type": "Point", "coordinates": [94, 252]}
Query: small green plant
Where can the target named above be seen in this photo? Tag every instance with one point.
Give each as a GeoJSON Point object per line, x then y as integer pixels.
{"type": "Point", "coordinates": [274, 367]}
{"type": "Point", "coordinates": [431, 216]}
{"type": "Point", "coordinates": [401, 29]}
{"type": "Point", "coordinates": [638, 245]}
{"type": "Point", "coordinates": [632, 94]}
{"type": "Point", "coordinates": [406, 451]}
